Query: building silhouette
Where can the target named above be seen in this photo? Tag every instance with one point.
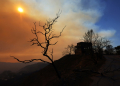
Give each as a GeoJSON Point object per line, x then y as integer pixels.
{"type": "Point", "coordinates": [83, 48]}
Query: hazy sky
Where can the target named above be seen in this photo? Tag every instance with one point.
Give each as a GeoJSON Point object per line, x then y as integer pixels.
{"type": "Point", "coordinates": [78, 15]}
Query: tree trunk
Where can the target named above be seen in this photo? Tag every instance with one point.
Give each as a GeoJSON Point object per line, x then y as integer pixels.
{"type": "Point", "coordinates": [56, 70]}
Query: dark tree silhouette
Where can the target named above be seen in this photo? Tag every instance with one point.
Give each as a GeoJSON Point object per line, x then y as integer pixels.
{"type": "Point", "coordinates": [109, 49]}
{"type": "Point", "coordinates": [47, 27]}
{"type": "Point", "coordinates": [69, 50]}
{"type": "Point", "coordinates": [117, 49]}
{"type": "Point", "coordinates": [100, 44]}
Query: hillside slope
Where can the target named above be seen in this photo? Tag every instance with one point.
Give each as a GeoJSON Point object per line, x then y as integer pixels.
{"type": "Point", "coordinates": [68, 66]}
{"type": "Point", "coordinates": [32, 68]}
{"type": "Point", "coordinates": [14, 67]}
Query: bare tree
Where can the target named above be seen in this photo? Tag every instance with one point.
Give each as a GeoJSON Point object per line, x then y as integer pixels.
{"type": "Point", "coordinates": [95, 39]}
{"type": "Point", "coordinates": [47, 27]}
{"type": "Point", "coordinates": [69, 50]}
{"type": "Point", "coordinates": [98, 43]}
{"type": "Point", "coordinates": [91, 36]}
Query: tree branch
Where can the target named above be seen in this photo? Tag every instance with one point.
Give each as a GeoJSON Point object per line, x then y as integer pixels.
{"type": "Point", "coordinates": [40, 32]}
{"type": "Point", "coordinates": [54, 43]}
{"type": "Point", "coordinates": [28, 61]}
{"type": "Point", "coordinates": [57, 36]}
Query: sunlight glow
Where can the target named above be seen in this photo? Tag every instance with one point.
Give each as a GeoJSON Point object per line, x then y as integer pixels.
{"type": "Point", "coordinates": [20, 9]}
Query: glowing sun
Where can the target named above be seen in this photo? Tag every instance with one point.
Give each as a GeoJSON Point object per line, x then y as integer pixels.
{"type": "Point", "coordinates": [20, 9]}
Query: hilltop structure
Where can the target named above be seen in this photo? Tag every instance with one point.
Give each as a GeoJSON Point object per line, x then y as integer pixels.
{"type": "Point", "coordinates": [83, 48]}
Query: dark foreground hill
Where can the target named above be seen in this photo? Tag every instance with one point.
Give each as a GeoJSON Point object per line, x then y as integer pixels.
{"type": "Point", "coordinates": [69, 68]}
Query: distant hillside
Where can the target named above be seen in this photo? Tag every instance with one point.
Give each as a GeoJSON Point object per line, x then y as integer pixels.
{"type": "Point", "coordinates": [14, 67]}
{"type": "Point", "coordinates": [69, 67]}
{"type": "Point", "coordinates": [32, 68]}
{"type": "Point", "coordinates": [7, 77]}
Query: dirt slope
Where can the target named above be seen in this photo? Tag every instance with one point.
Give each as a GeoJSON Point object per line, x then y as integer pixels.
{"type": "Point", "coordinates": [111, 72]}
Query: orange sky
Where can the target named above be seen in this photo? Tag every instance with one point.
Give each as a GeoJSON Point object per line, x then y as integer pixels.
{"type": "Point", "coordinates": [15, 31]}
{"type": "Point", "coordinates": [15, 27]}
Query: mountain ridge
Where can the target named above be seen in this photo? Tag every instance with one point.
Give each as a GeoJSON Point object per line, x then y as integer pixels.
{"type": "Point", "coordinates": [13, 67]}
